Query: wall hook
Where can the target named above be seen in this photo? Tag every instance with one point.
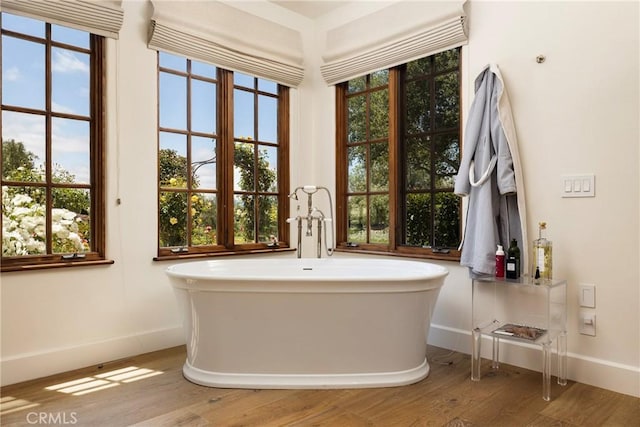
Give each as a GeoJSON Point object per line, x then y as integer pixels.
{"type": "Point", "coordinates": [540, 59]}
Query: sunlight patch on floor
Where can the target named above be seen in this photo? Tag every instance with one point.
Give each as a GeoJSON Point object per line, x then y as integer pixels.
{"type": "Point", "coordinates": [103, 381]}
{"type": "Point", "coordinates": [9, 404]}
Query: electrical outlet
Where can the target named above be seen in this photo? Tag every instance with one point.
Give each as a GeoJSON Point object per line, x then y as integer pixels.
{"type": "Point", "coordinates": [587, 324]}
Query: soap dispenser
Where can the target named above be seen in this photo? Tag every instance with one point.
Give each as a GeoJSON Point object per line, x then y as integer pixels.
{"type": "Point", "coordinates": [500, 262]}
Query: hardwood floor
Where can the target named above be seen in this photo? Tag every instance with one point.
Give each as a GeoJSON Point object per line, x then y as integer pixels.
{"type": "Point", "coordinates": [149, 390]}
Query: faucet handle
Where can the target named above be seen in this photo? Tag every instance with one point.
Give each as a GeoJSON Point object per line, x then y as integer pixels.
{"type": "Point", "coordinates": [290, 220]}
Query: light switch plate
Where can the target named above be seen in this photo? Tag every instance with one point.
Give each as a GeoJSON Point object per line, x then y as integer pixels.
{"type": "Point", "coordinates": [587, 295]}
{"type": "Point", "coordinates": [582, 185]}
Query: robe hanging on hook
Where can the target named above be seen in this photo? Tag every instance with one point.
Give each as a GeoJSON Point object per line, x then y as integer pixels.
{"type": "Point", "coordinates": [540, 59]}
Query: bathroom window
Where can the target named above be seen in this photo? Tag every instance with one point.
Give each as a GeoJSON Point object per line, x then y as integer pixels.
{"type": "Point", "coordinates": [52, 145]}
{"type": "Point", "coordinates": [222, 160]}
{"type": "Point", "coordinates": [399, 149]}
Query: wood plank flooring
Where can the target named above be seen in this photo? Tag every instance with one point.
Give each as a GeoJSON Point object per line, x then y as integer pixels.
{"type": "Point", "coordinates": [149, 390]}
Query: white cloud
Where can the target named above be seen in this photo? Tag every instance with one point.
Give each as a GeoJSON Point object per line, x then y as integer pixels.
{"type": "Point", "coordinates": [71, 144]}
{"type": "Point", "coordinates": [59, 108]}
{"type": "Point", "coordinates": [12, 74]}
{"type": "Point", "coordinates": [25, 128]}
{"type": "Point", "coordinates": [207, 177]}
{"type": "Point", "coordinates": [65, 61]}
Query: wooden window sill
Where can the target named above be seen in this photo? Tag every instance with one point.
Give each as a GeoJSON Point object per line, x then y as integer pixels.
{"type": "Point", "coordinates": [187, 256]}
{"type": "Point", "coordinates": [55, 264]}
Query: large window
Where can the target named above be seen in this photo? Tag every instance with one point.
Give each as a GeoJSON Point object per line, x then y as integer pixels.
{"type": "Point", "coordinates": [52, 145]}
{"type": "Point", "coordinates": [398, 136]}
{"type": "Point", "coordinates": [223, 160]}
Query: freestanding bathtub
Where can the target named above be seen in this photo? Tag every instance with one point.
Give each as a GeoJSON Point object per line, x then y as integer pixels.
{"type": "Point", "coordinates": [306, 323]}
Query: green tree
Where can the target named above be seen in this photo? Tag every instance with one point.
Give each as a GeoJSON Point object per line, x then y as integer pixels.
{"type": "Point", "coordinates": [267, 206]}
{"type": "Point", "coordinates": [15, 157]}
{"type": "Point", "coordinates": [71, 206]}
{"type": "Point", "coordinates": [177, 207]}
{"type": "Point", "coordinates": [429, 154]}
{"type": "Point", "coordinates": [172, 165]}
{"type": "Point", "coordinates": [18, 164]}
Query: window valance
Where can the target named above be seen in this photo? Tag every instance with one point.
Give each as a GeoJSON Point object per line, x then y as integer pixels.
{"type": "Point", "coordinates": [397, 34]}
{"type": "Point", "coordinates": [99, 17]}
{"type": "Point", "coordinates": [227, 37]}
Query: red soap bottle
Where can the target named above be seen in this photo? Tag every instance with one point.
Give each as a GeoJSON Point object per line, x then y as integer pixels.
{"type": "Point", "coordinates": [500, 262]}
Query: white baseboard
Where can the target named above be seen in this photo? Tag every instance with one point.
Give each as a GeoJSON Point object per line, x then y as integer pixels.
{"type": "Point", "coordinates": [28, 366]}
{"type": "Point", "coordinates": [583, 369]}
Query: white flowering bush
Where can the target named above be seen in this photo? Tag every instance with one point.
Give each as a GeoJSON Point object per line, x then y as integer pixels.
{"type": "Point", "coordinates": [24, 227]}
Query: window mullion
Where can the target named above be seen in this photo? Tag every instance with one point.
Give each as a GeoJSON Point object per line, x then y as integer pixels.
{"type": "Point", "coordinates": [225, 213]}
{"type": "Point", "coordinates": [256, 188]}
{"type": "Point", "coordinates": [367, 159]}
{"type": "Point", "coordinates": [48, 143]}
{"type": "Point", "coordinates": [394, 155]}
{"type": "Point", "coordinates": [283, 162]}
{"type": "Point", "coordinates": [189, 164]}
{"type": "Point", "coordinates": [432, 156]}
{"type": "Point", "coordinates": [342, 169]}
{"type": "Point", "coordinates": [97, 155]}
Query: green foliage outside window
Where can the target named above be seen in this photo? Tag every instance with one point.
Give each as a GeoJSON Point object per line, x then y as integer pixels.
{"type": "Point", "coordinates": [175, 201]}
{"type": "Point", "coordinates": [24, 212]}
{"type": "Point", "coordinates": [267, 206]}
{"type": "Point", "coordinates": [428, 119]}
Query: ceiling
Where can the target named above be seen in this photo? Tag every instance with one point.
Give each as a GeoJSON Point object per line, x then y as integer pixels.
{"type": "Point", "coordinates": [310, 8]}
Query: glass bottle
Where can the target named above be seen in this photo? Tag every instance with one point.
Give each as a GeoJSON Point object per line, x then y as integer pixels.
{"type": "Point", "coordinates": [542, 255]}
{"type": "Point", "coordinates": [513, 260]}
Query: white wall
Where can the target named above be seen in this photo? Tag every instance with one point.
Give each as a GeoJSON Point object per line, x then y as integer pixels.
{"type": "Point", "coordinates": [61, 319]}
{"type": "Point", "coordinates": [576, 113]}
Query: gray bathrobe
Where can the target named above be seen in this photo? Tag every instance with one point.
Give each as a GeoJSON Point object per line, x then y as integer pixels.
{"type": "Point", "coordinates": [490, 174]}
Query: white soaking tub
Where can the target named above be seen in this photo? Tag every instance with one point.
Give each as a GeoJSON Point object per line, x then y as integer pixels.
{"type": "Point", "coordinates": [306, 323]}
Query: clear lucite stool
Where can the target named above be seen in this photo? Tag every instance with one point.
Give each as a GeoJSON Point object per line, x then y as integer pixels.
{"type": "Point", "coordinates": [521, 310]}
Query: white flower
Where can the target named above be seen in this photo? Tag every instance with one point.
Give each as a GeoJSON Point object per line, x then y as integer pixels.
{"type": "Point", "coordinates": [20, 211]}
{"type": "Point", "coordinates": [21, 199]}
{"type": "Point", "coordinates": [59, 231]}
{"type": "Point", "coordinates": [35, 247]}
{"type": "Point", "coordinates": [24, 226]}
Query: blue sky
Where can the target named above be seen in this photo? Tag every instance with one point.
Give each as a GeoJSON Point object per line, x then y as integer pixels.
{"type": "Point", "coordinates": [23, 68]}
{"type": "Point", "coordinates": [173, 113]}
{"type": "Point", "coordinates": [23, 84]}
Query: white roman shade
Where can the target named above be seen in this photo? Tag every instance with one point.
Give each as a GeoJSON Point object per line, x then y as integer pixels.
{"type": "Point", "coordinates": [402, 32]}
{"type": "Point", "coordinates": [102, 17]}
{"type": "Point", "coordinates": [229, 38]}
